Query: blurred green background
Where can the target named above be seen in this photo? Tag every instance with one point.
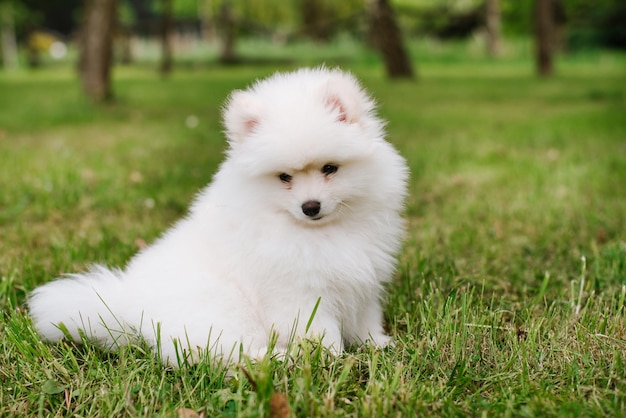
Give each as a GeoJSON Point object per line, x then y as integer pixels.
{"type": "Point", "coordinates": [510, 295]}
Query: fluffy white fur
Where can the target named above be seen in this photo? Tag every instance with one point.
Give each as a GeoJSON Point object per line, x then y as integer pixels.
{"type": "Point", "coordinates": [247, 261]}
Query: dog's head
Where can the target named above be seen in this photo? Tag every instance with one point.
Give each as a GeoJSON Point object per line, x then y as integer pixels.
{"type": "Point", "coordinates": [311, 143]}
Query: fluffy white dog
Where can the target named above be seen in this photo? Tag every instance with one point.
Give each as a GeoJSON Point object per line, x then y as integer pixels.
{"type": "Point", "coordinates": [294, 237]}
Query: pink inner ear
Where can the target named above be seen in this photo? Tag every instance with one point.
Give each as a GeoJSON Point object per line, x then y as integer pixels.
{"type": "Point", "coordinates": [251, 124]}
{"type": "Point", "coordinates": [335, 104]}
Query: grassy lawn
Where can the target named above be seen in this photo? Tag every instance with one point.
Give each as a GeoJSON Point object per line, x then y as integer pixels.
{"type": "Point", "coordinates": [510, 297]}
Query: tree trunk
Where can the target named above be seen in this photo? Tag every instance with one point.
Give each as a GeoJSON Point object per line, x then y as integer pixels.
{"type": "Point", "coordinates": [493, 26]}
{"type": "Point", "coordinates": [167, 24]}
{"type": "Point", "coordinates": [97, 48]}
{"type": "Point", "coordinates": [124, 40]}
{"type": "Point", "coordinates": [207, 21]}
{"type": "Point", "coordinates": [228, 32]}
{"type": "Point", "coordinates": [386, 36]}
{"type": "Point", "coordinates": [544, 37]}
{"type": "Point", "coordinates": [9, 45]}
{"type": "Point", "coordinates": [315, 20]}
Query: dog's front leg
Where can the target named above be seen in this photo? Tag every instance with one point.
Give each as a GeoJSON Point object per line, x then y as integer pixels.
{"type": "Point", "coordinates": [326, 328]}
{"type": "Point", "coordinates": [369, 326]}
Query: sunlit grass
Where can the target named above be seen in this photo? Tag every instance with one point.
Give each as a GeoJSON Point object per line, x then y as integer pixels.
{"type": "Point", "coordinates": [493, 312]}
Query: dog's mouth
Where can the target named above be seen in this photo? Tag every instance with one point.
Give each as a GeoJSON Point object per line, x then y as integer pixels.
{"type": "Point", "coordinates": [313, 221]}
{"type": "Point", "coordinates": [321, 219]}
{"type": "Point", "coordinates": [315, 213]}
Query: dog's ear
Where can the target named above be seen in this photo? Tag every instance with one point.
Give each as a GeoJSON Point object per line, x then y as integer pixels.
{"type": "Point", "coordinates": [344, 96]}
{"type": "Point", "coordinates": [241, 116]}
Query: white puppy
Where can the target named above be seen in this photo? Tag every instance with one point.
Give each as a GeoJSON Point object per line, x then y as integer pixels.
{"type": "Point", "coordinates": [295, 235]}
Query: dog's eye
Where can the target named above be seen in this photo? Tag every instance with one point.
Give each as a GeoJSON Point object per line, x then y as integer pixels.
{"type": "Point", "coordinates": [284, 177]}
{"type": "Point", "coordinates": [329, 169]}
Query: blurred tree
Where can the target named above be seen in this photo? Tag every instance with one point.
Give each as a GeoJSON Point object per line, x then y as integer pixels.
{"type": "Point", "coordinates": [9, 44]}
{"type": "Point", "coordinates": [227, 29]}
{"type": "Point", "coordinates": [544, 36]}
{"type": "Point", "coordinates": [96, 48]}
{"type": "Point", "coordinates": [141, 8]}
{"type": "Point", "coordinates": [206, 17]}
{"type": "Point", "coordinates": [315, 20]}
{"type": "Point", "coordinates": [593, 23]}
{"type": "Point", "coordinates": [385, 34]}
{"type": "Point", "coordinates": [444, 19]}
{"type": "Point", "coordinates": [492, 26]}
{"type": "Point", "coordinates": [59, 15]}
{"type": "Point", "coordinates": [167, 26]}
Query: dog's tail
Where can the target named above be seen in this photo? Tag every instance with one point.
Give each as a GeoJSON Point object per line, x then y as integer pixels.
{"type": "Point", "coordinates": [81, 305]}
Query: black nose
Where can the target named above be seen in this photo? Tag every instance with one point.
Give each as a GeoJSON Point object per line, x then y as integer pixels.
{"type": "Point", "coordinates": [311, 207]}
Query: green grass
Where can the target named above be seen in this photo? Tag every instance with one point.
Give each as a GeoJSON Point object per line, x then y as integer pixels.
{"type": "Point", "coordinates": [510, 298]}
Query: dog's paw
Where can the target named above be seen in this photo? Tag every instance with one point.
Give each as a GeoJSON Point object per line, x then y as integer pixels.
{"type": "Point", "coordinates": [380, 340]}
{"type": "Point", "coordinates": [277, 353]}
